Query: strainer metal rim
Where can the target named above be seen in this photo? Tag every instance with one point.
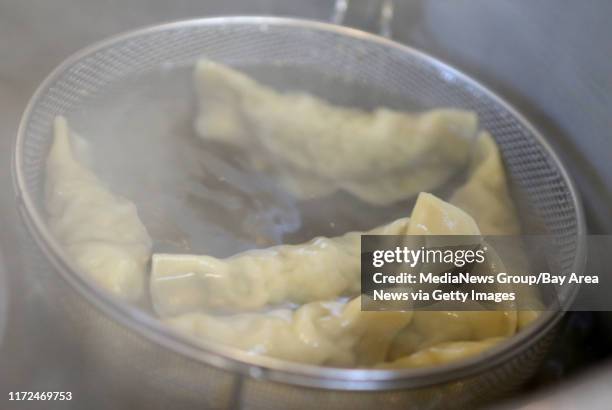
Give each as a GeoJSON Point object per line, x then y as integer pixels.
{"type": "Point", "coordinates": [262, 367]}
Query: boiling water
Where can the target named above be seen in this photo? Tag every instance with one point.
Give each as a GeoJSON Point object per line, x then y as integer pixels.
{"type": "Point", "coordinates": [198, 196]}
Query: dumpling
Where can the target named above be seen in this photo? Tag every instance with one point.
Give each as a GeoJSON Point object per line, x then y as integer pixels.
{"type": "Point", "coordinates": [319, 145]}
{"type": "Point", "coordinates": [321, 269]}
{"type": "Point", "coordinates": [323, 333]}
{"type": "Point", "coordinates": [332, 141]}
{"type": "Point", "coordinates": [437, 217]}
{"type": "Point", "coordinates": [100, 231]}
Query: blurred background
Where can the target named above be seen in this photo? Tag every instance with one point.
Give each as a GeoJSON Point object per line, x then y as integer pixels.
{"type": "Point", "coordinates": [552, 59]}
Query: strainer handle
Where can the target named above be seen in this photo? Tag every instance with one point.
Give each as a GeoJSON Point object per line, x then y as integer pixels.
{"type": "Point", "coordinates": [371, 15]}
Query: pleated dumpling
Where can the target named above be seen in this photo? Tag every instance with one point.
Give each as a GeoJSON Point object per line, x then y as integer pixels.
{"type": "Point", "coordinates": [100, 231]}
{"type": "Point", "coordinates": [313, 147]}
{"type": "Point", "coordinates": [321, 269]}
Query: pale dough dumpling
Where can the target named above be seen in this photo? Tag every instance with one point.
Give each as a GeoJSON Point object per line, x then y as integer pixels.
{"type": "Point", "coordinates": [321, 269]}
{"type": "Point", "coordinates": [100, 231]}
{"type": "Point", "coordinates": [436, 217]}
{"type": "Point", "coordinates": [326, 147]}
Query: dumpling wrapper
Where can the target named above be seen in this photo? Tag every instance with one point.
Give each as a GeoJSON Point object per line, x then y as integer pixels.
{"type": "Point", "coordinates": [321, 269]}
{"type": "Point", "coordinates": [325, 147]}
{"type": "Point", "coordinates": [100, 231]}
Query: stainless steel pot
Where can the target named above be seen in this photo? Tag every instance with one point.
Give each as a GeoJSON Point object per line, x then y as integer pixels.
{"type": "Point", "coordinates": [157, 368]}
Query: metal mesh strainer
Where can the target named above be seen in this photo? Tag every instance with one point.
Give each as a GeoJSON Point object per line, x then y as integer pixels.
{"type": "Point", "coordinates": [126, 342]}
